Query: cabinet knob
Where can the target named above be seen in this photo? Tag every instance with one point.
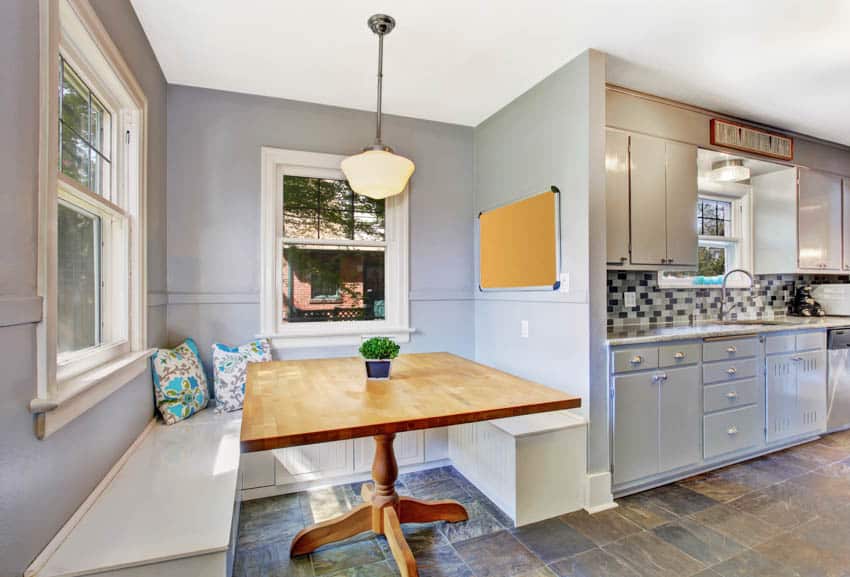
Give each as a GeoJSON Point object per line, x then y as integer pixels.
{"type": "Point", "coordinates": [731, 349]}
{"type": "Point", "coordinates": [623, 259]}
{"type": "Point", "coordinates": [679, 356]}
{"type": "Point", "coordinates": [732, 395]}
{"type": "Point", "coordinates": [731, 371]}
{"type": "Point", "coordinates": [733, 430]}
{"type": "Point", "coordinates": [636, 360]}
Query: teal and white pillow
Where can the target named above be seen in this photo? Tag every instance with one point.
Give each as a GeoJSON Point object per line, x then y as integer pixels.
{"type": "Point", "coordinates": [179, 382]}
{"type": "Point", "coordinates": [230, 370]}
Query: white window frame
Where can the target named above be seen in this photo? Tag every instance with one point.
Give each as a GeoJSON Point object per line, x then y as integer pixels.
{"type": "Point", "coordinates": [277, 162]}
{"type": "Point", "coordinates": [740, 240]}
{"type": "Point", "coordinates": [69, 384]}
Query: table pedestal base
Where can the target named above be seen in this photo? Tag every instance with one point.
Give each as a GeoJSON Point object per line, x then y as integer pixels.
{"type": "Point", "coordinates": [383, 512]}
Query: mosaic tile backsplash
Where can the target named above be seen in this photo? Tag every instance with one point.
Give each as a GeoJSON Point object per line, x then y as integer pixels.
{"type": "Point", "coordinates": [655, 305]}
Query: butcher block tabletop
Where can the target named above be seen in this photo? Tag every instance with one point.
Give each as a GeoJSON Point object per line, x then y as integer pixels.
{"type": "Point", "coordinates": [300, 402]}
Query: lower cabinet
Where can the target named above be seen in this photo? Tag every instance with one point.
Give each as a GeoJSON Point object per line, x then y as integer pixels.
{"type": "Point", "coordinates": [657, 422]}
{"type": "Point", "coordinates": [796, 394]}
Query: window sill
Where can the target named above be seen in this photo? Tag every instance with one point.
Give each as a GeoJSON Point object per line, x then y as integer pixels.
{"type": "Point", "coordinates": [78, 394]}
{"type": "Point", "coordinates": [334, 336]}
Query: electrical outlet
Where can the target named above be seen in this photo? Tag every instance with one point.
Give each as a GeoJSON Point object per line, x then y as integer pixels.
{"type": "Point", "coordinates": [523, 329]}
{"type": "Point", "coordinates": [629, 299]}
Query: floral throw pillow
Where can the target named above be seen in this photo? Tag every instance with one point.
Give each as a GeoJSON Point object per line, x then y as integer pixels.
{"type": "Point", "coordinates": [230, 370]}
{"type": "Point", "coordinates": [179, 383]}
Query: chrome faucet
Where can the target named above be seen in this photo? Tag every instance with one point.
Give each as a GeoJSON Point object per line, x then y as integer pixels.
{"type": "Point", "coordinates": [723, 311]}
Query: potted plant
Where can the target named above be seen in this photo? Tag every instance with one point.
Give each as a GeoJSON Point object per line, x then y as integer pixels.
{"type": "Point", "coordinates": [378, 352]}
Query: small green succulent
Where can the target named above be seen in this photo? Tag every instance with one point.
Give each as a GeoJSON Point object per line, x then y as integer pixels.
{"type": "Point", "coordinates": [379, 348]}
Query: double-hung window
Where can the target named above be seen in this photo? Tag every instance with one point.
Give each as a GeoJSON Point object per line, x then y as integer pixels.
{"type": "Point", "coordinates": [91, 218]}
{"type": "Point", "coordinates": [334, 262]}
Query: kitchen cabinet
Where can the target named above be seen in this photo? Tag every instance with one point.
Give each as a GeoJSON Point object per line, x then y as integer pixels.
{"type": "Point", "coordinates": [663, 202]}
{"type": "Point", "coordinates": [409, 449]}
{"type": "Point", "coordinates": [819, 221]}
{"type": "Point", "coordinates": [309, 462]}
{"type": "Point", "coordinates": [845, 186]}
{"type": "Point", "coordinates": [796, 394]}
{"type": "Point", "coordinates": [679, 417]}
{"type": "Point", "coordinates": [617, 197]}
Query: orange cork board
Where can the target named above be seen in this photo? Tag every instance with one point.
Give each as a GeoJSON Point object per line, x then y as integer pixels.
{"type": "Point", "coordinates": [518, 244]}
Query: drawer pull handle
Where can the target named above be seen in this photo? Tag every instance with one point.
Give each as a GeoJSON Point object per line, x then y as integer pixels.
{"type": "Point", "coordinates": [636, 360]}
{"type": "Point", "coordinates": [732, 395]}
{"type": "Point", "coordinates": [731, 349]}
{"type": "Point", "coordinates": [731, 371]}
{"type": "Point", "coordinates": [796, 359]}
{"type": "Point", "coordinates": [659, 378]}
{"type": "Point", "coordinates": [733, 430]}
{"type": "Point", "coordinates": [679, 356]}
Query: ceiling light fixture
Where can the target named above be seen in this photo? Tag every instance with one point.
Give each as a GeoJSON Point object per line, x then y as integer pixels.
{"type": "Point", "coordinates": [730, 170]}
{"type": "Point", "coordinates": [377, 172]}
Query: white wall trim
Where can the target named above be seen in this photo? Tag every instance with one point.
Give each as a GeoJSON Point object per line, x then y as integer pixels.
{"type": "Point", "coordinates": [157, 299]}
{"type": "Point", "coordinates": [599, 496]}
{"type": "Point", "coordinates": [69, 525]}
{"type": "Point", "coordinates": [20, 310]}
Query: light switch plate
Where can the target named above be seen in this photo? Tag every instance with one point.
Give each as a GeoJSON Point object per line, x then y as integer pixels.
{"type": "Point", "coordinates": [629, 299]}
{"type": "Point", "coordinates": [564, 279]}
{"type": "Point", "coordinates": [523, 329]}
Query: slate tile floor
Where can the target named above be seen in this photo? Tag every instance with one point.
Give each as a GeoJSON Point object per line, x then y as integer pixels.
{"type": "Point", "coordinates": [783, 515]}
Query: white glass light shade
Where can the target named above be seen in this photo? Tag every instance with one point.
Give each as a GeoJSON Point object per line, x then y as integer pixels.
{"type": "Point", "coordinates": [377, 173]}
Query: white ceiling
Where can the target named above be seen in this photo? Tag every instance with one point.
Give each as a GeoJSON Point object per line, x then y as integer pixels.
{"type": "Point", "coordinates": [781, 62]}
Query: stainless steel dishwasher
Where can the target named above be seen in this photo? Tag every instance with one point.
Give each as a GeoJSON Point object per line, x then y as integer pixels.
{"type": "Point", "coordinates": [838, 380]}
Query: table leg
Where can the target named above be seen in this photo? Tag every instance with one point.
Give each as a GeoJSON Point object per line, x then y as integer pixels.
{"type": "Point", "coordinates": [383, 512]}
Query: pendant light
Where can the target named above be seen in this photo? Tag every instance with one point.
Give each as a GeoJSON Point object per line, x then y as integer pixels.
{"type": "Point", "coordinates": [377, 172]}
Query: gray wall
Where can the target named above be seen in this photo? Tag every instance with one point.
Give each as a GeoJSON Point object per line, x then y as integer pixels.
{"type": "Point", "coordinates": [550, 135]}
{"type": "Point", "coordinates": [43, 482]}
{"type": "Point", "coordinates": [214, 141]}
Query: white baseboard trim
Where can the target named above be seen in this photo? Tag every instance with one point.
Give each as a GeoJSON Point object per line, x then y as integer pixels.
{"type": "Point", "coordinates": [66, 529]}
{"type": "Point", "coordinates": [599, 496]}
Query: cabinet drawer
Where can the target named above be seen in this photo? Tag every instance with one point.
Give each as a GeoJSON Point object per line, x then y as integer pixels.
{"type": "Point", "coordinates": [811, 341]}
{"type": "Point", "coordinates": [729, 370]}
{"type": "Point", "coordinates": [729, 349]}
{"type": "Point", "coordinates": [635, 359]}
{"type": "Point", "coordinates": [730, 395]}
{"type": "Point", "coordinates": [779, 344]}
{"type": "Point", "coordinates": [731, 431]}
{"type": "Point", "coordinates": [679, 355]}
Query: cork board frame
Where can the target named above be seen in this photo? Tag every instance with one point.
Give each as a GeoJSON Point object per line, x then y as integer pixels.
{"type": "Point", "coordinates": [520, 244]}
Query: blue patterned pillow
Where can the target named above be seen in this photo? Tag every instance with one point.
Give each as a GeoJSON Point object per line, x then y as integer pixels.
{"type": "Point", "coordinates": [230, 370]}
{"type": "Point", "coordinates": [179, 383]}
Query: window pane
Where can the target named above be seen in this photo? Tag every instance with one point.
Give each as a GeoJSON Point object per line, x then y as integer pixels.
{"type": "Point", "coordinates": [78, 279]}
{"type": "Point", "coordinates": [712, 261]}
{"type": "Point", "coordinates": [101, 121]}
{"type": "Point", "coordinates": [332, 283]}
{"type": "Point", "coordinates": [75, 156]}
{"type": "Point", "coordinates": [99, 175]}
{"type": "Point", "coordinates": [75, 102]}
{"type": "Point", "coordinates": [329, 209]}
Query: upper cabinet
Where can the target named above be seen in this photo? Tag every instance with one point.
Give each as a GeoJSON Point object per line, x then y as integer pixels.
{"type": "Point", "coordinates": [617, 196]}
{"type": "Point", "coordinates": [819, 221]}
{"type": "Point", "coordinates": [662, 202]}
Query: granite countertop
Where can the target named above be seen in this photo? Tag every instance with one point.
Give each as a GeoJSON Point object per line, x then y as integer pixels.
{"type": "Point", "coordinates": [633, 335]}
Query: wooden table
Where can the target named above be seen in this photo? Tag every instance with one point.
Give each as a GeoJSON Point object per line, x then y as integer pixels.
{"type": "Point", "coordinates": [289, 403]}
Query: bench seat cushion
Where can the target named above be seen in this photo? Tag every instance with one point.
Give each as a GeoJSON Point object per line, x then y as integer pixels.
{"type": "Point", "coordinates": [230, 369]}
{"type": "Point", "coordinates": [180, 385]}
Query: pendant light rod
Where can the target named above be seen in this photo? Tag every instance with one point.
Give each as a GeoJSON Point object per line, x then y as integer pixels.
{"type": "Point", "coordinates": [380, 24]}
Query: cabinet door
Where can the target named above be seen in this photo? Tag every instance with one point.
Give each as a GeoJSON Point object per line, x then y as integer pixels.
{"type": "Point", "coordinates": [782, 408]}
{"type": "Point", "coordinates": [680, 418]}
{"type": "Point", "coordinates": [681, 204]}
{"type": "Point", "coordinates": [846, 225]}
{"type": "Point", "coordinates": [648, 200]}
{"type": "Point", "coordinates": [319, 461]}
{"type": "Point", "coordinates": [819, 221]}
{"type": "Point", "coordinates": [811, 391]}
{"type": "Point", "coordinates": [635, 426]}
{"type": "Point", "coordinates": [617, 196]}
{"type": "Point", "coordinates": [409, 450]}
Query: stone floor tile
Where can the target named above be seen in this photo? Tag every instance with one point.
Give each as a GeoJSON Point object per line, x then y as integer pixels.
{"type": "Point", "coordinates": [319, 505]}
{"type": "Point", "coordinates": [716, 487]}
{"type": "Point", "coordinates": [777, 505]}
{"type": "Point", "coordinates": [480, 523]}
{"type": "Point", "coordinates": [603, 527]}
{"type": "Point", "coordinates": [680, 500]}
{"type": "Point", "coordinates": [840, 469]}
{"type": "Point", "coordinates": [421, 537]}
{"type": "Point", "coordinates": [379, 569]}
{"type": "Point", "coordinates": [753, 564]}
{"type": "Point", "coordinates": [744, 528]}
{"type": "Point", "coordinates": [280, 503]}
{"type": "Point", "coordinates": [641, 510]}
{"type": "Point", "coordinates": [441, 562]}
{"type": "Point", "coordinates": [339, 557]}
{"type": "Point", "coordinates": [832, 533]}
{"type": "Point", "coordinates": [707, 573]}
{"type": "Point", "coordinates": [651, 556]}
{"type": "Point", "coordinates": [783, 467]}
{"type": "Point", "coordinates": [476, 496]}
{"type": "Point", "coordinates": [593, 563]}
{"type": "Point", "coordinates": [417, 479]}
{"type": "Point", "coordinates": [271, 561]}
{"type": "Point", "coordinates": [805, 557]}
{"type": "Point", "coordinates": [821, 493]}
{"type": "Point", "coordinates": [818, 453]}
{"type": "Point", "coordinates": [753, 477]}
{"type": "Point", "coordinates": [448, 488]}
{"type": "Point", "coordinates": [497, 555]}
{"type": "Point", "coordinates": [259, 529]}
{"type": "Point", "coordinates": [699, 541]}
{"type": "Point", "coordinates": [552, 539]}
